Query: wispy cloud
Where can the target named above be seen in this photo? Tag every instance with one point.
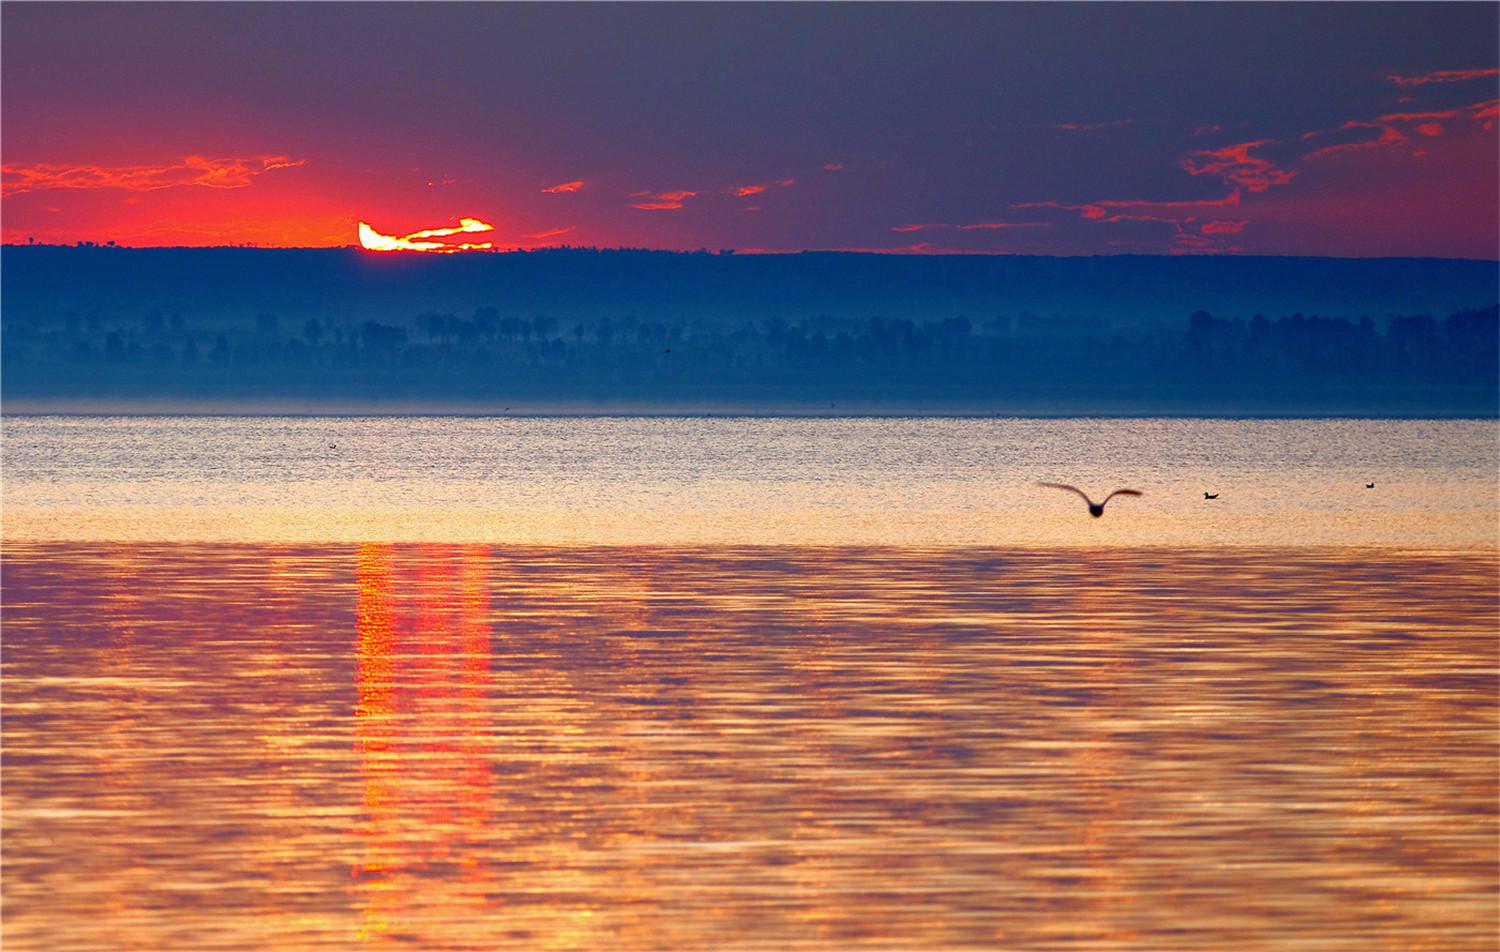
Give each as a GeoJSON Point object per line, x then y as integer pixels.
{"type": "Point", "coordinates": [550, 233]}
{"type": "Point", "coordinates": [1235, 164]}
{"type": "Point", "coordinates": [1100, 209]}
{"type": "Point", "coordinates": [1223, 227]}
{"type": "Point", "coordinates": [1251, 168]}
{"type": "Point", "coordinates": [1187, 243]}
{"type": "Point", "coordinates": [1394, 129]}
{"type": "Point", "coordinates": [920, 248]}
{"type": "Point", "coordinates": [672, 199]}
{"type": "Point", "coordinates": [1154, 219]}
{"type": "Point", "coordinates": [742, 191]}
{"type": "Point", "coordinates": [997, 225]}
{"type": "Point", "coordinates": [1092, 126]}
{"type": "Point", "coordinates": [564, 187]}
{"type": "Point", "coordinates": [833, 167]}
{"type": "Point", "coordinates": [972, 226]}
{"type": "Point", "coordinates": [19, 177]}
{"type": "Point", "coordinates": [1416, 116]}
{"type": "Point", "coordinates": [1389, 136]}
{"type": "Point", "coordinates": [662, 201]}
{"type": "Point", "coordinates": [1178, 215]}
{"type": "Point", "coordinates": [1441, 76]}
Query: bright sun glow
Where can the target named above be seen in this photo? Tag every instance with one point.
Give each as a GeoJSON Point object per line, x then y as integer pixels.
{"type": "Point", "coordinates": [372, 240]}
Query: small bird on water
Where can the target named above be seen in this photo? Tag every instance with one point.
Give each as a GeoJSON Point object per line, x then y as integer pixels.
{"type": "Point", "coordinates": [1096, 509]}
{"type": "Point", "coordinates": [1208, 495]}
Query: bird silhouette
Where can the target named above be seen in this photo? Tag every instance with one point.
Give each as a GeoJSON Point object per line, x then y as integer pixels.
{"type": "Point", "coordinates": [1369, 485]}
{"type": "Point", "coordinates": [1210, 495]}
{"type": "Point", "coordinates": [1096, 509]}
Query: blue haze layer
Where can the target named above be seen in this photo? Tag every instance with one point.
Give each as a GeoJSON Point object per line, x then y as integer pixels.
{"type": "Point", "coordinates": [1125, 334]}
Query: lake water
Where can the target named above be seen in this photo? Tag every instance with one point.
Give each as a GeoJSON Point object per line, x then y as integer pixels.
{"type": "Point", "coordinates": [281, 683]}
{"type": "Point", "coordinates": [773, 481]}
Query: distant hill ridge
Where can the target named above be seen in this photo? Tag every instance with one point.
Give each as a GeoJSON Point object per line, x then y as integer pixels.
{"type": "Point", "coordinates": [344, 285]}
{"type": "Point", "coordinates": [243, 328]}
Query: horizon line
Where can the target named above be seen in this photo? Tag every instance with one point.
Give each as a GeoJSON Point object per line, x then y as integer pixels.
{"type": "Point", "coordinates": [723, 252]}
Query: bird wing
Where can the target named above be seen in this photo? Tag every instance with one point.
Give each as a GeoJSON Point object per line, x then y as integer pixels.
{"type": "Point", "coordinates": [1121, 492]}
{"type": "Point", "coordinates": [1071, 489]}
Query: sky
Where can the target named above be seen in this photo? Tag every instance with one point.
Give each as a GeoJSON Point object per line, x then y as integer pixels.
{"type": "Point", "coordinates": [1072, 129]}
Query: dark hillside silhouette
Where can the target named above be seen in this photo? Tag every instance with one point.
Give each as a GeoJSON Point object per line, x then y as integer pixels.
{"type": "Point", "coordinates": [1129, 334]}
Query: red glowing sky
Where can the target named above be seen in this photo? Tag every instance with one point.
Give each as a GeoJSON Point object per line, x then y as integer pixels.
{"type": "Point", "coordinates": [1288, 129]}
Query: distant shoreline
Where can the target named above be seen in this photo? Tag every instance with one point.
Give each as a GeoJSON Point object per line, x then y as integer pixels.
{"type": "Point", "coordinates": [562, 409]}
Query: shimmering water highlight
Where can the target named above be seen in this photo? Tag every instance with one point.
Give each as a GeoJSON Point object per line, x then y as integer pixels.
{"type": "Point", "coordinates": [768, 481]}
{"type": "Point", "coordinates": [475, 747]}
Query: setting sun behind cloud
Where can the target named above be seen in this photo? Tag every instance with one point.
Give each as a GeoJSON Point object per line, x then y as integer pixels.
{"type": "Point", "coordinates": [372, 240]}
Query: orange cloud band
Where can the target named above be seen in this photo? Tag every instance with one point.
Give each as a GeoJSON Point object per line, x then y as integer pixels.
{"type": "Point", "coordinates": [1442, 76]}
{"type": "Point", "coordinates": [17, 178]}
{"type": "Point", "coordinates": [1235, 164]}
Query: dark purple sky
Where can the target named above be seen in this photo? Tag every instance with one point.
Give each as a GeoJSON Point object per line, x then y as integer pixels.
{"type": "Point", "coordinates": [1345, 129]}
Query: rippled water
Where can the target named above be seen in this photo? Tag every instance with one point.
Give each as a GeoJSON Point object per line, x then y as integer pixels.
{"type": "Point", "coordinates": [774, 481]}
{"type": "Point", "coordinates": [472, 747]}
{"type": "Point", "coordinates": [970, 716]}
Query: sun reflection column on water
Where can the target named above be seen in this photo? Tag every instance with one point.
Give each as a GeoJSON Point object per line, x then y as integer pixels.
{"type": "Point", "coordinates": [421, 733]}
{"type": "Point", "coordinates": [375, 731]}
{"type": "Point", "coordinates": [748, 749]}
{"type": "Point", "coordinates": [123, 777]}
{"type": "Point", "coordinates": [1111, 605]}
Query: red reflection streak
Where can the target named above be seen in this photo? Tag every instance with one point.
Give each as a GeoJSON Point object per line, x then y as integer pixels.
{"type": "Point", "coordinates": [1108, 601]}
{"type": "Point", "coordinates": [120, 774]}
{"type": "Point", "coordinates": [420, 729]}
{"type": "Point", "coordinates": [374, 717]}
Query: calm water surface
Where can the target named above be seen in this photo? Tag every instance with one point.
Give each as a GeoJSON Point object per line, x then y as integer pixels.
{"type": "Point", "coordinates": [773, 481]}
{"type": "Point", "coordinates": [968, 716]}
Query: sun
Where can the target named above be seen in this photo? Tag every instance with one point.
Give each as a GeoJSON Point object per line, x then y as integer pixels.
{"type": "Point", "coordinates": [372, 240]}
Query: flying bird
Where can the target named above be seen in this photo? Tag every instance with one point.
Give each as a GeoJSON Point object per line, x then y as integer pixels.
{"type": "Point", "coordinates": [1096, 509]}
{"type": "Point", "coordinates": [1210, 495]}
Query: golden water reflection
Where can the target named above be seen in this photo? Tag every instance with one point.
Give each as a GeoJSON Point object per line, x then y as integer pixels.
{"type": "Point", "coordinates": [476, 747]}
